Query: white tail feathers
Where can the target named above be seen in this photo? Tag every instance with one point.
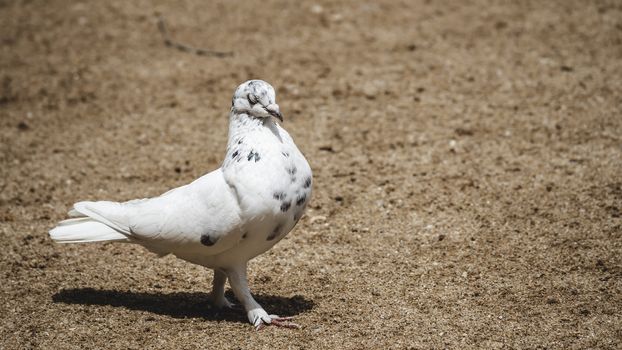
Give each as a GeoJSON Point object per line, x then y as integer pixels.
{"type": "Point", "coordinates": [74, 213]}
{"type": "Point", "coordinates": [84, 229]}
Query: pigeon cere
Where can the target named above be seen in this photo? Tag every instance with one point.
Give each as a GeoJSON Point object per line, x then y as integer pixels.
{"type": "Point", "coordinates": [311, 174]}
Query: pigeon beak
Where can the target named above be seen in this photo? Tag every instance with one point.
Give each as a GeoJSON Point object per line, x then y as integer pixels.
{"type": "Point", "coordinates": [273, 109]}
{"type": "Point", "coordinates": [278, 115]}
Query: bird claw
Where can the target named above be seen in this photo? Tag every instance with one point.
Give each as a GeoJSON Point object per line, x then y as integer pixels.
{"type": "Point", "coordinates": [283, 322]}
{"type": "Point", "coordinates": [261, 320]}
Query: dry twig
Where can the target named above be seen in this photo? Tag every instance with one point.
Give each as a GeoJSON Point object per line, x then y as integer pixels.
{"type": "Point", "coordinates": [179, 46]}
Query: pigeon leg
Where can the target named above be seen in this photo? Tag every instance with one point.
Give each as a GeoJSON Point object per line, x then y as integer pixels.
{"type": "Point", "coordinates": [257, 316]}
{"type": "Point", "coordinates": [218, 290]}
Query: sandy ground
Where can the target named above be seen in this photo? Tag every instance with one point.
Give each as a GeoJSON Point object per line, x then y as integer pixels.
{"type": "Point", "coordinates": [467, 159]}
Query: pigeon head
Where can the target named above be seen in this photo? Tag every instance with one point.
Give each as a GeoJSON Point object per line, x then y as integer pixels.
{"type": "Point", "coordinates": [257, 99]}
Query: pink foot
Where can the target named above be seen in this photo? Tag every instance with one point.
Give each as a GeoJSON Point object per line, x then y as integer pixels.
{"type": "Point", "coordinates": [279, 322]}
{"type": "Point", "coordinates": [260, 319]}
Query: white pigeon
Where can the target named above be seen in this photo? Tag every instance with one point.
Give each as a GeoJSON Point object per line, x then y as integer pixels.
{"type": "Point", "coordinates": [224, 218]}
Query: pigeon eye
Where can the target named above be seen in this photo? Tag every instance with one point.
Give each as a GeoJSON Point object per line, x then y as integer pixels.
{"type": "Point", "coordinates": [252, 99]}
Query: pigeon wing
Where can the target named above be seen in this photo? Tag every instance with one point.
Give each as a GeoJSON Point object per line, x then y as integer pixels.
{"type": "Point", "coordinates": [203, 215]}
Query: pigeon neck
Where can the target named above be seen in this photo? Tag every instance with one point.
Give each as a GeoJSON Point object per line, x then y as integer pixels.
{"type": "Point", "coordinates": [242, 124]}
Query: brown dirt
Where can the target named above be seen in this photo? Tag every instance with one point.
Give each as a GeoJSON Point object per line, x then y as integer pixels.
{"type": "Point", "coordinates": [467, 160]}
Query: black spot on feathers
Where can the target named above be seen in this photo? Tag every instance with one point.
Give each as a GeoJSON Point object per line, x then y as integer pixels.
{"type": "Point", "coordinates": [285, 206]}
{"type": "Point", "coordinates": [275, 232]}
{"type": "Point", "coordinates": [253, 155]}
{"type": "Point", "coordinates": [207, 240]}
{"type": "Point", "coordinates": [301, 199]}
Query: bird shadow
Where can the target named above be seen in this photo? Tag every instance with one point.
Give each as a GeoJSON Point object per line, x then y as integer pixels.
{"type": "Point", "coordinates": [181, 304]}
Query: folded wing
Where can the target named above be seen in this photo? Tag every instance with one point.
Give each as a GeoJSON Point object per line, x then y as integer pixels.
{"type": "Point", "coordinates": [203, 215]}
